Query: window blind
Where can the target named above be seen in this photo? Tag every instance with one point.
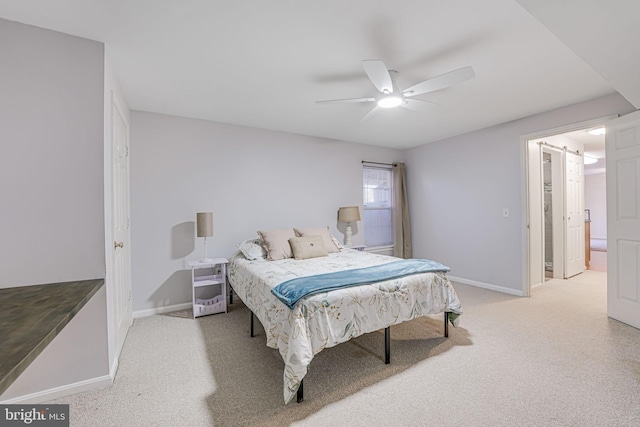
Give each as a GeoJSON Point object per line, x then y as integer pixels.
{"type": "Point", "coordinates": [377, 197]}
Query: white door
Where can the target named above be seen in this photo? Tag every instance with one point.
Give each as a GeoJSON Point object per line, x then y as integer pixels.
{"type": "Point", "coordinates": [574, 215]}
{"type": "Point", "coordinates": [121, 234]}
{"type": "Point", "coordinates": [623, 218]}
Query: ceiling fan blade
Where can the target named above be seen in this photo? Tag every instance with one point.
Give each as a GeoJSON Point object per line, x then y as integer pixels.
{"type": "Point", "coordinates": [369, 114]}
{"type": "Point", "coordinates": [350, 100]}
{"type": "Point", "coordinates": [417, 104]}
{"type": "Point", "coordinates": [379, 75]}
{"type": "Point", "coordinates": [440, 82]}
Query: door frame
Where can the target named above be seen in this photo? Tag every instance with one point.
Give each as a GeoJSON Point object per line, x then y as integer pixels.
{"type": "Point", "coordinates": [532, 225]}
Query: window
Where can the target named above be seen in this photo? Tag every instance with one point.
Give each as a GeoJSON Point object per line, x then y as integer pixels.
{"type": "Point", "coordinates": [377, 197]}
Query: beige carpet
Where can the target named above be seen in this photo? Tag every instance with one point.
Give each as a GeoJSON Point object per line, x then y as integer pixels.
{"type": "Point", "coordinates": [554, 359]}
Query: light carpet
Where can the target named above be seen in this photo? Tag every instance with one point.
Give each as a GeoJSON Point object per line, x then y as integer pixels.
{"type": "Point", "coordinates": [554, 359]}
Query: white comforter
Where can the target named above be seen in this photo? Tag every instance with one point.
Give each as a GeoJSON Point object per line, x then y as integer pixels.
{"type": "Point", "coordinates": [330, 318]}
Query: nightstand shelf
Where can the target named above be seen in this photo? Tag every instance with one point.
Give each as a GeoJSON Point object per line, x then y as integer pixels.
{"type": "Point", "coordinates": [209, 285]}
{"type": "Point", "coordinates": [208, 280]}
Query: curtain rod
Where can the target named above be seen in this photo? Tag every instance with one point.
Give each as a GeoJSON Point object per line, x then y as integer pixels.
{"type": "Point", "coordinates": [377, 163]}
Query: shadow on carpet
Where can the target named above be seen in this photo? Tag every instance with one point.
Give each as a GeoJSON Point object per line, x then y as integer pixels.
{"type": "Point", "coordinates": [249, 375]}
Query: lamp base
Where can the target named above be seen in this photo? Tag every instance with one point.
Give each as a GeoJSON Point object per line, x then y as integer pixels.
{"type": "Point", "coordinates": [347, 235]}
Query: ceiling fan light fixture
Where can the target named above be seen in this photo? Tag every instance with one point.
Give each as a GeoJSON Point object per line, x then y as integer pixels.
{"type": "Point", "coordinates": [390, 95]}
{"type": "Point", "coordinates": [389, 101]}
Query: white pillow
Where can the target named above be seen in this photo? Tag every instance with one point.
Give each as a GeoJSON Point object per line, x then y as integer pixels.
{"type": "Point", "coordinates": [277, 243]}
{"type": "Point", "coordinates": [323, 232]}
{"type": "Point", "coordinates": [252, 249]}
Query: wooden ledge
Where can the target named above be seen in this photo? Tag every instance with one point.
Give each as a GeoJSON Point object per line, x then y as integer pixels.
{"type": "Point", "coordinates": [32, 316]}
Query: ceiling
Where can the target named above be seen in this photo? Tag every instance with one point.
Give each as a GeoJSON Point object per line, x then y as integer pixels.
{"type": "Point", "coordinates": [263, 64]}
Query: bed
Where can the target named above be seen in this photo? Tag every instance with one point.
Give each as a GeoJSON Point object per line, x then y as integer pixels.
{"type": "Point", "coordinates": [327, 318]}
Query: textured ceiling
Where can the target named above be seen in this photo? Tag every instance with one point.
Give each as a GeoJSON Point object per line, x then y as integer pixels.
{"type": "Point", "coordinates": [263, 63]}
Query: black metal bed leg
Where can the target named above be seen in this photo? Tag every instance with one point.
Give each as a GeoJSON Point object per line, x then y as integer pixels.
{"type": "Point", "coordinates": [252, 324]}
{"type": "Point", "coordinates": [387, 345]}
{"type": "Point", "coordinates": [230, 294]}
{"type": "Point", "coordinates": [446, 324]}
{"type": "Point", "coordinates": [300, 394]}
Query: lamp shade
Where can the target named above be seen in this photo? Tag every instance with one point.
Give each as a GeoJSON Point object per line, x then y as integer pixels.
{"type": "Point", "coordinates": [204, 224]}
{"type": "Point", "coordinates": [349, 213]}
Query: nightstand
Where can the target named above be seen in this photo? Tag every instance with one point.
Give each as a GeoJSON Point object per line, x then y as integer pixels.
{"type": "Point", "coordinates": [209, 284]}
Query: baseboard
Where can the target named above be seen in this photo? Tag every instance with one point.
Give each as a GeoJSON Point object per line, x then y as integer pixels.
{"type": "Point", "coordinates": [539, 285]}
{"type": "Point", "coordinates": [62, 391]}
{"type": "Point", "coordinates": [114, 369]}
{"type": "Point", "coordinates": [69, 389]}
{"type": "Point", "coordinates": [489, 286]}
{"type": "Point", "coordinates": [161, 310]}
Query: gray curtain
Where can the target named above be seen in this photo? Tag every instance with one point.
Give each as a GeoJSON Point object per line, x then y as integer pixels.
{"type": "Point", "coordinates": [401, 223]}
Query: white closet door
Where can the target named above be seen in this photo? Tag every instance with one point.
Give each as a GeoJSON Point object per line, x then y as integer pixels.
{"type": "Point", "coordinates": [121, 231]}
{"type": "Point", "coordinates": [574, 215]}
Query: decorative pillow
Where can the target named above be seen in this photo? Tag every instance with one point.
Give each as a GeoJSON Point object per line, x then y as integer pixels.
{"type": "Point", "coordinates": [252, 249]}
{"type": "Point", "coordinates": [308, 247]}
{"type": "Point", "coordinates": [277, 243]}
{"type": "Point", "coordinates": [323, 232]}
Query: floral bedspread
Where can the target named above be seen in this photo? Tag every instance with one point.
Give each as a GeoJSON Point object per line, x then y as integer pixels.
{"type": "Point", "coordinates": [327, 319]}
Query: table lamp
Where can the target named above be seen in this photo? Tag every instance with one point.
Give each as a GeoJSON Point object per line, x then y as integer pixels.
{"type": "Point", "coordinates": [204, 225]}
{"type": "Point", "coordinates": [348, 214]}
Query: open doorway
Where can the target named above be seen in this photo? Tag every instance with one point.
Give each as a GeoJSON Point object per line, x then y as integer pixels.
{"type": "Point", "coordinates": [559, 217]}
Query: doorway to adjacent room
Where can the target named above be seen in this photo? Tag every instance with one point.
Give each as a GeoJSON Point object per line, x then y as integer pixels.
{"type": "Point", "coordinates": [565, 194]}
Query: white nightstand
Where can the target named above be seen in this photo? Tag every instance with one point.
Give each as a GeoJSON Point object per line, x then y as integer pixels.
{"type": "Point", "coordinates": [209, 284]}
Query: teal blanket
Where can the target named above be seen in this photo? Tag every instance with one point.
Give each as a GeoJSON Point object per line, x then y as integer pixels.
{"type": "Point", "coordinates": [292, 291]}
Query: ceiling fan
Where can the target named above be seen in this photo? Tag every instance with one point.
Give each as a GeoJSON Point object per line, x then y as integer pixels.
{"type": "Point", "coordinates": [390, 96]}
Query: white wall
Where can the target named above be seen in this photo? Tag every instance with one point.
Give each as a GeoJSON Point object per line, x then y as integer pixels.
{"type": "Point", "coordinates": [52, 189]}
{"type": "Point", "coordinates": [595, 199]}
{"type": "Point", "coordinates": [51, 167]}
{"type": "Point", "coordinates": [250, 179]}
{"type": "Point", "coordinates": [458, 187]}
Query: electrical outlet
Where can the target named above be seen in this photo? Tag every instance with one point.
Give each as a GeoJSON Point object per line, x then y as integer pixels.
{"type": "Point", "coordinates": [505, 212]}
